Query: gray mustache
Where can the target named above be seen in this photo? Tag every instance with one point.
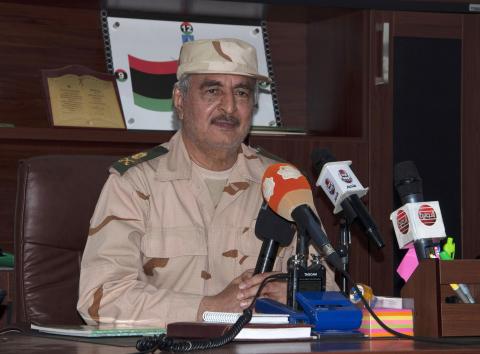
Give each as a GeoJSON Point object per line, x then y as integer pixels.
{"type": "Point", "coordinates": [226, 119]}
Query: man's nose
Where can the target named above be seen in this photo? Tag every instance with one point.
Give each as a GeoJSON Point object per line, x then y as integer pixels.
{"type": "Point", "coordinates": [229, 104]}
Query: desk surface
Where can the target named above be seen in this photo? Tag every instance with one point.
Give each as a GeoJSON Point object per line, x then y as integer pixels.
{"type": "Point", "coordinates": [12, 343]}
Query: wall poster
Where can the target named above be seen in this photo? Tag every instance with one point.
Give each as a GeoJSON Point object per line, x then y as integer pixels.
{"type": "Point", "coordinates": [143, 54]}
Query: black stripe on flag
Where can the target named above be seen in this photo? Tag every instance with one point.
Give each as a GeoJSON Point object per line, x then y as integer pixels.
{"type": "Point", "coordinates": [152, 85]}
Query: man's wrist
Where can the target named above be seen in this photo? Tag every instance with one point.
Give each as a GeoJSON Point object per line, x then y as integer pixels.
{"type": "Point", "coordinates": [205, 305]}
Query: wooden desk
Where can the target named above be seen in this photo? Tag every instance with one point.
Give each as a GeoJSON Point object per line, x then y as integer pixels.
{"type": "Point", "coordinates": [12, 343]}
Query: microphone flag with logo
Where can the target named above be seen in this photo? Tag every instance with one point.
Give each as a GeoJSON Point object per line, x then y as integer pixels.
{"type": "Point", "coordinates": [416, 221]}
{"type": "Point", "coordinates": [336, 178]}
{"type": "Point", "coordinates": [344, 190]}
{"type": "Point", "coordinates": [288, 194]}
{"type": "Point", "coordinates": [284, 187]}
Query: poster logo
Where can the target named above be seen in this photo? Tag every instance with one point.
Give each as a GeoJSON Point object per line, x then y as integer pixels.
{"type": "Point", "coordinates": [402, 221]}
{"type": "Point", "coordinates": [187, 32]}
{"type": "Point", "coordinates": [186, 28]}
{"type": "Point", "coordinates": [427, 215]}
{"type": "Point", "coordinates": [345, 176]}
{"type": "Point", "coordinates": [121, 75]}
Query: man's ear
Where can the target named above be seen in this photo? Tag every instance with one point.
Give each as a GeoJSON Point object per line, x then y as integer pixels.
{"type": "Point", "coordinates": [178, 102]}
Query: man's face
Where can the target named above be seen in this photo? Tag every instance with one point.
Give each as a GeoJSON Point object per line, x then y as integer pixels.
{"type": "Point", "coordinates": [217, 110]}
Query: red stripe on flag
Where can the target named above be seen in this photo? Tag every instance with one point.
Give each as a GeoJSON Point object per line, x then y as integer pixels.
{"type": "Point", "coordinates": [152, 67]}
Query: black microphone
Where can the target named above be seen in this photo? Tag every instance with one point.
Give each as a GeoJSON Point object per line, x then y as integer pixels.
{"type": "Point", "coordinates": [275, 231]}
{"type": "Point", "coordinates": [344, 191]}
{"type": "Point", "coordinates": [408, 182]}
{"type": "Point", "coordinates": [410, 190]}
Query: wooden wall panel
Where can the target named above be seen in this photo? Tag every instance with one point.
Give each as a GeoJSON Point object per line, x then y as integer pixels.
{"type": "Point", "coordinates": [431, 25]}
{"type": "Point", "coordinates": [289, 57]}
{"type": "Point", "coordinates": [380, 156]}
{"type": "Point", "coordinates": [470, 188]}
{"type": "Point", "coordinates": [337, 80]}
{"type": "Point", "coordinates": [41, 37]}
{"type": "Point", "coordinates": [85, 4]}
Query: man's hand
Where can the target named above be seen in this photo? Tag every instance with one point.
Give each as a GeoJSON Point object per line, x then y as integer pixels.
{"type": "Point", "coordinates": [275, 290]}
{"type": "Point", "coordinates": [238, 295]}
{"type": "Point", "coordinates": [226, 300]}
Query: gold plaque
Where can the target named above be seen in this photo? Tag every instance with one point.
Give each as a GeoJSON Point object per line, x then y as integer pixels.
{"type": "Point", "coordinates": [80, 97]}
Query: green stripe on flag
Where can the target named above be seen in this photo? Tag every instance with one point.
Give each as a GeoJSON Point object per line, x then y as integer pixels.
{"type": "Point", "coordinates": [153, 104]}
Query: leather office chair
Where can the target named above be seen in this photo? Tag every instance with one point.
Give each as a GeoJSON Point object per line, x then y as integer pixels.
{"type": "Point", "coordinates": [56, 196]}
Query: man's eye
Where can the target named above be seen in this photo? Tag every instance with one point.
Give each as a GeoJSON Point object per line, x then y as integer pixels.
{"type": "Point", "coordinates": [212, 91]}
{"type": "Point", "coordinates": [243, 93]}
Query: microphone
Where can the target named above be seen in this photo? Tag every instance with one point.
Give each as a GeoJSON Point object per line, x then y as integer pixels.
{"type": "Point", "coordinates": [344, 191]}
{"type": "Point", "coordinates": [274, 231]}
{"type": "Point", "coordinates": [416, 221]}
{"type": "Point", "coordinates": [408, 182]}
{"type": "Point", "coordinates": [288, 194]}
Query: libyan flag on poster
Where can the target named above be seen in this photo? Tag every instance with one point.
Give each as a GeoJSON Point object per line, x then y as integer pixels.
{"type": "Point", "coordinates": [152, 83]}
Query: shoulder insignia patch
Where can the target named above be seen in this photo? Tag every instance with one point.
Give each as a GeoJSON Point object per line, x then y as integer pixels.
{"type": "Point", "coordinates": [125, 163]}
{"type": "Point", "coordinates": [269, 155]}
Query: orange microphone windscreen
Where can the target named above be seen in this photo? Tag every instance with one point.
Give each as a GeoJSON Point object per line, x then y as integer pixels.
{"type": "Point", "coordinates": [285, 188]}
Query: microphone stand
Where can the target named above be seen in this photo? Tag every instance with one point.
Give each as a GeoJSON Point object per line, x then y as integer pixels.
{"type": "Point", "coordinates": [295, 263]}
{"type": "Point", "coordinates": [345, 241]}
{"type": "Point", "coordinates": [302, 244]}
{"type": "Point", "coordinates": [348, 216]}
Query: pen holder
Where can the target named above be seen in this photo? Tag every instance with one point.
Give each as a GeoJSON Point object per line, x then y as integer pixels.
{"type": "Point", "coordinates": [429, 286]}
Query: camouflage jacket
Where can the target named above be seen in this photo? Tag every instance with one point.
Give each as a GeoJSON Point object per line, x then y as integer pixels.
{"type": "Point", "coordinates": [157, 244]}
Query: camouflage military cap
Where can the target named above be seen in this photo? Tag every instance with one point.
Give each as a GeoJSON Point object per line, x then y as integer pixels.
{"type": "Point", "coordinates": [219, 56]}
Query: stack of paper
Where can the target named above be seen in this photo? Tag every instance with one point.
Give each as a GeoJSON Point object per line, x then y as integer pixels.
{"type": "Point", "coordinates": [98, 331]}
{"type": "Point", "coordinates": [400, 320]}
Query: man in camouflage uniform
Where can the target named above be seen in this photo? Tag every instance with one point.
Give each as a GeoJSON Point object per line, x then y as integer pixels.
{"type": "Point", "coordinates": [173, 231]}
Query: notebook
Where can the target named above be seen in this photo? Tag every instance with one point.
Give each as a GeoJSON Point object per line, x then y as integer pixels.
{"type": "Point", "coordinates": [193, 330]}
{"type": "Point", "coordinates": [232, 317]}
{"type": "Point", "coordinates": [98, 331]}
